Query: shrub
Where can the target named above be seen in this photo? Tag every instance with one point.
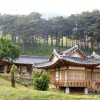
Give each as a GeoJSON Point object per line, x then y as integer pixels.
{"type": "Point", "coordinates": [13, 70]}
{"type": "Point", "coordinates": [41, 80]}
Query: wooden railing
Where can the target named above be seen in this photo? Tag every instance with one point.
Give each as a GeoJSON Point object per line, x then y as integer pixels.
{"type": "Point", "coordinates": [73, 83]}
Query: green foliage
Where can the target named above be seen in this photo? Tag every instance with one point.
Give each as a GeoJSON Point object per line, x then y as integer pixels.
{"type": "Point", "coordinates": [41, 80]}
{"type": "Point", "coordinates": [42, 50]}
{"type": "Point", "coordinates": [30, 30]}
{"type": "Point", "coordinates": [13, 68]}
{"type": "Point", "coordinates": [8, 50]}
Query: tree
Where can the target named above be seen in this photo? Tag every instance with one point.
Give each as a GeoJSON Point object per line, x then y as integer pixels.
{"type": "Point", "coordinates": [29, 30]}
{"type": "Point", "coordinates": [41, 80]}
{"type": "Point", "coordinates": [8, 50]}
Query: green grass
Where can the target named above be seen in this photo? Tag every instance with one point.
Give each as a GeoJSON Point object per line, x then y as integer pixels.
{"type": "Point", "coordinates": [24, 93]}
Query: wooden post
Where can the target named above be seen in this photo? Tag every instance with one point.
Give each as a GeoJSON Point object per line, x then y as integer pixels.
{"type": "Point", "coordinates": [29, 69]}
{"type": "Point", "coordinates": [91, 74]}
{"type": "Point", "coordinates": [20, 69]}
{"type": "Point", "coordinates": [85, 73]}
{"type": "Point", "coordinates": [60, 74]}
{"type": "Point", "coordinates": [57, 74]}
{"type": "Point", "coordinates": [67, 73]}
{"type": "Point", "coordinates": [5, 70]}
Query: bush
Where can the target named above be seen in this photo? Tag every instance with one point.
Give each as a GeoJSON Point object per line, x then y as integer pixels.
{"type": "Point", "coordinates": [41, 80]}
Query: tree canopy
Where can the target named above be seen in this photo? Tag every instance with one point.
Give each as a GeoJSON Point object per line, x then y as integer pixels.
{"type": "Point", "coordinates": [8, 50]}
{"type": "Point", "coordinates": [31, 31]}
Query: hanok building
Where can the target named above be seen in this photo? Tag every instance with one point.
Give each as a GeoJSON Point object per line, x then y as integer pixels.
{"type": "Point", "coordinates": [72, 70]}
{"type": "Point", "coordinates": [24, 64]}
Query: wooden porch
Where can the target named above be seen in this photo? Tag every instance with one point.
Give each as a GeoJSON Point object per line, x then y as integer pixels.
{"type": "Point", "coordinates": [89, 84]}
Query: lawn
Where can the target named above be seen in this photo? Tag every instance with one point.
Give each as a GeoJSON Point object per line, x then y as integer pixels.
{"type": "Point", "coordinates": [24, 93]}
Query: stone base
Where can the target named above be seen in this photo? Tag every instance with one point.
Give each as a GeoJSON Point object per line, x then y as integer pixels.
{"type": "Point", "coordinates": [85, 91]}
{"type": "Point", "coordinates": [67, 90]}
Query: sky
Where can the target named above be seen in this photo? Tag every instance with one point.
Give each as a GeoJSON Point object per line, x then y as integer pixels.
{"type": "Point", "coordinates": [48, 8]}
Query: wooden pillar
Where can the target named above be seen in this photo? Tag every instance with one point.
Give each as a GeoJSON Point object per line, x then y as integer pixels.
{"type": "Point", "coordinates": [91, 74]}
{"type": "Point", "coordinates": [85, 73]}
{"type": "Point", "coordinates": [68, 73]}
{"type": "Point", "coordinates": [29, 69]}
{"type": "Point", "coordinates": [57, 74]}
{"type": "Point", "coordinates": [8, 67]}
{"type": "Point", "coordinates": [20, 69]}
{"type": "Point", "coordinates": [60, 74]}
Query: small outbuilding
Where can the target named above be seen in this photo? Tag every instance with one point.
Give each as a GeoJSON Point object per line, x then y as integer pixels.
{"type": "Point", "coordinates": [24, 64]}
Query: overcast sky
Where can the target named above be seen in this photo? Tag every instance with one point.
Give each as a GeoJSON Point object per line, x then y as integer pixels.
{"type": "Point", "coordinates": [48, 7]}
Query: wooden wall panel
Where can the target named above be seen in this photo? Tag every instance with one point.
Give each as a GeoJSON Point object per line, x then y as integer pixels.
{"type": "Point", "coordinates": [96, 76]}
{"type": "Point", "coordinates": [52, 75]}
{"type": "Point", "coordinates": [76, 75]}
{"type": "Point", "coordinates": [24, 68]}
{"type": "Point", "coordinates": [88, 75]}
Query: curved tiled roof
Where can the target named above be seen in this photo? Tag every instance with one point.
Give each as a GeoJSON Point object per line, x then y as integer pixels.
{"type": "Point", "coordinates": [44, 64]}
{"type": "Point", "coordinates": [75, 60]}
{"type": "Point", "coordinates": [24, 59]}
{"type": "Point", "coordinates": [82, 61]}
{"type": "Point", "coordinates": [71, 50]}
{"type": "Point", "coordinates": [96, 55]}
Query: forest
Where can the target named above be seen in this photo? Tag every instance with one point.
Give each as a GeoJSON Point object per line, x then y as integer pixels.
{"type": "Point", "coordinates": [39, 36]}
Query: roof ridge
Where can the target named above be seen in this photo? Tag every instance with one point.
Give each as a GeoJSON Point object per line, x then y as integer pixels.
{"type": "Point", "coordinates": [33, 56]}
{"type": "Point", "coordinates": [56, 53]}
{"type": "Point", "coordinates": [71, 49]}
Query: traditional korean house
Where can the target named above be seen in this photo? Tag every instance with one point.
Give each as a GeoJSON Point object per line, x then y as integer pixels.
{"type": "Point", "coordinates": [24, 64]}
{"type": "Point", "coordinates": [72, 70]}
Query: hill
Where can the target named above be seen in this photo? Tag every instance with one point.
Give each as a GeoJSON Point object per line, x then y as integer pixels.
{"type": "Point", "coordinates": [24, 93]}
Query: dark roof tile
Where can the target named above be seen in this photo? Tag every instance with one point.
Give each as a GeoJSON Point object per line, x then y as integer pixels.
{"type": "Point", "coordinates": [24, 59]}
